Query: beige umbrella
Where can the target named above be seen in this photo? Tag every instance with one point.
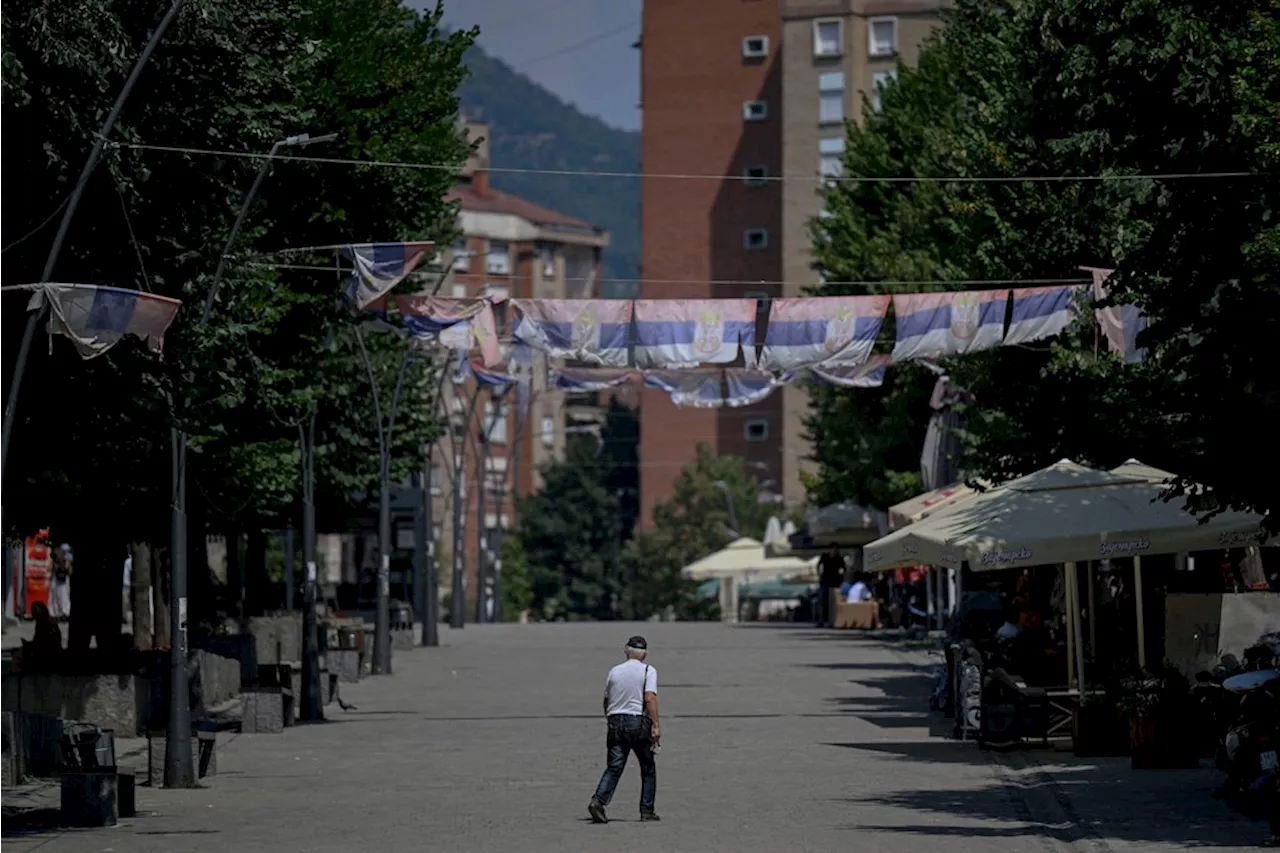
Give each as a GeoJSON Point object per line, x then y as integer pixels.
{"type": "Point", "coordinates": [1134, 468]}
{"type": "Point", "coordinates": [1065, 513]}
{"type": "Point", "coordinates": [911, 511]}
{"type": "Point", "coordinates": [743, 558]}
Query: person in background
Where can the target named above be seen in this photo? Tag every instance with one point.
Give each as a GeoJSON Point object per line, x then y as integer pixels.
{"type": "Point", "coordinates": [1010, 629]}
{"type": "Point", "coordinates": [126, 592]}
{"type": "Point", "coordinates": [631, 709]}
{"type": "Point", "coordinates": [830, 576]}
{"type": "Point", "coordinates": [60, 589]}
{"type": "Point", "coordinates": [45, 645]}
{"type": "Point", "coordinates": [859, 592]}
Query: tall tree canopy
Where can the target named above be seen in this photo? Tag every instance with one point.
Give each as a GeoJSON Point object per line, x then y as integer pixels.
{"type": "Point", "coordinates": [91, 446]}
{"type": "Point", "coordinates": [1124, 90]}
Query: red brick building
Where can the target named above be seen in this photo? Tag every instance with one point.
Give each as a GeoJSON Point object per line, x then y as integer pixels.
{"type": "Point", "coordinates": [711, 92]}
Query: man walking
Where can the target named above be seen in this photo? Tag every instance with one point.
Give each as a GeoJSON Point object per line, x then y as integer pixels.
{"type": "Point", "coordinates": [830, 576]}
{"type": "Point", "coordinates": [631, 709]}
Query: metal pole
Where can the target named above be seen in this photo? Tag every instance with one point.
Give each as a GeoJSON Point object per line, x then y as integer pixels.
{"type": "Point", "coordinates": [312, 701]}
{"type": "Point", "coordinates": [33, 318]}
{"type": "Point", "coordinates": [484, 581]}
{"type": "Point", "coordinates": [288, 567]}
{"type": "Point", "coordinates": [179, 772]}
{"type": "Point", "coordinates": [382, 619]}
{"type": "Point", "coordinates": [431, 591]}
{"type": "Point", "coordinates": [458, 597]}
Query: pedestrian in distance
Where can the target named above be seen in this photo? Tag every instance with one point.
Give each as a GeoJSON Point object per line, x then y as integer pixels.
{"type": "Point", "coordinates": [60, 589]}
{"type": "Point", "coordinates": [631, 711]}
{"type": "Point", "coordinates": [830, 575]}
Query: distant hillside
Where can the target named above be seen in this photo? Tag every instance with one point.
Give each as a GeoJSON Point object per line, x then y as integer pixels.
{"type": "Point", "coordinates": [530, 128]}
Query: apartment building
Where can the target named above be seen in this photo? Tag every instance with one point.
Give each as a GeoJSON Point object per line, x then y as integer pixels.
{"type": "Point", "coordinates": [756, 89]}
{"type": "Point", "coordinates": [510, 247]}
{"type": "Point", "coordinates": [711, 93]}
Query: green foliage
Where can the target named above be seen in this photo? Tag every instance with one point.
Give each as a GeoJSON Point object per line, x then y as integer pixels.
{"type": "Point", "coordinates": [517, 588]}
{"type": "Point", "coordinates": [531, 128]}
{"type": "Point", "coordinates": [1112, 87]}
{"type": "Point", "coordinates": [693, 523]}
{"type": "Point", "coordinates": [92, 439]}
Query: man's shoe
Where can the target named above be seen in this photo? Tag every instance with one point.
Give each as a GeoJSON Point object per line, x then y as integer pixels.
{"type": "Point", "coordinates": [649, 816]}
{"type": "Point", "coordinates": [596, 808]}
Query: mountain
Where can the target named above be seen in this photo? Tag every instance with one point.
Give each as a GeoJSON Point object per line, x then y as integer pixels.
{"type": "Point", "coordinates": [531, 128]}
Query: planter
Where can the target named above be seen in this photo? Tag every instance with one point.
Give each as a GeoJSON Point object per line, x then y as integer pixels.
{"type": "Point", "coordinates": [1159, 743]}
{"type": "Point", "coordinates": [1099, 731]}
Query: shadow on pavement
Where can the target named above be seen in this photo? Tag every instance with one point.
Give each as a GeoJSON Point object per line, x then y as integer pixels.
{"type": "Point", "coordinates": [1156, 807]}
{"type": "Point", "coordinates": [23, 823]}
{"type": "Point", "coordinates": [923, 752]}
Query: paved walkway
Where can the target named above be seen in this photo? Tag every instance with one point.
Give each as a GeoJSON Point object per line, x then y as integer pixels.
{"type": "Point", "coordinates": [774, 739]}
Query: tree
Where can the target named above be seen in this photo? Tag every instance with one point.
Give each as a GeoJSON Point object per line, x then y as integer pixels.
{"type": "Point", "coordinates": [569, 533]}
{"type": "Point", "coordinates": [231, 76]}
{"type": "Point", "coordinates": [517, 588]}
{"type": "Point", "coordinates": [710, 493]}
{"type": "Point", "coordinates": [1079, 89]}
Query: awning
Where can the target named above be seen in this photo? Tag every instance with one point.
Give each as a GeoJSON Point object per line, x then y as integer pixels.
{"type": "Point", "coordinates": [1063, 513]}
{"type": "Point", "coordinates": [769, 589]}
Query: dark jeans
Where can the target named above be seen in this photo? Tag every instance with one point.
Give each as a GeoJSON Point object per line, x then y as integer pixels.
{"type": "Point", "coordinates": [627, 734]}
{"type": "Point", "coordinates": [822, 607]}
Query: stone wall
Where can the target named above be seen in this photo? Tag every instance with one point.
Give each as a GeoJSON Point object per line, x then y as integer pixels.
{"type": "Point", "coordinates": [119, 702]}
{"type": "Point", "coordinates": [277, 638]}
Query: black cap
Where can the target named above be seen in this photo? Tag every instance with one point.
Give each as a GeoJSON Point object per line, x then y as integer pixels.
{"type": "Point", "coordinates": [637, 642]}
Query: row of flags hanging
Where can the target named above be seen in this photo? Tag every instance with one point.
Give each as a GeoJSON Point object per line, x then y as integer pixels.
{"type": "Point", "coordinates": [801, 333]}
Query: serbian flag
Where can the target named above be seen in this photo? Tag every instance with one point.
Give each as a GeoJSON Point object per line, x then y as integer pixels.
{"type": "Point", "coordinates": [747, 387]}
{"type": "Point", "coordinates": [378, 267]}
{"type": "Point", "coordinates": [822, 329]}
{"type": "Point", "coordinates": [932, 325]}
{"type": "Point", "coordinates": [869, 374]}
{"type": "Point", "coordinates": [432, 316]}
{"type": "Point", "coordinates": [591, 378]}
{"type": "Point", "coordinates": [1120, 323]}
{"type": "Point", "coordinates": [697, 389]}
{"type": "Point", "coordinates": [1041, 312]}
{"type": "Point", "coordinates": [94, 317]}
{"type": "Point", "coordinates": [689, 332]}
{"type": "Point", "coordinates": [596, 331]}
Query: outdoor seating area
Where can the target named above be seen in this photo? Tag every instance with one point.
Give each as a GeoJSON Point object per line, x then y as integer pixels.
{"type": "Point", "coordinates": [1073, 604]}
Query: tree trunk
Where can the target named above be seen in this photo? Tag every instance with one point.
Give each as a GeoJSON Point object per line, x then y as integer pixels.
{"type": "Point", "coordinates": [255, 569]}
{"type": "Point", "coordinates": [160, 565]}
{"type": "Point", "coordinates": [140, 597]}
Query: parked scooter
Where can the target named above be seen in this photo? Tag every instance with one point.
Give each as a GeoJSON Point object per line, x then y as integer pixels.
{"type": "Point", "coordinates": [1249, 748]}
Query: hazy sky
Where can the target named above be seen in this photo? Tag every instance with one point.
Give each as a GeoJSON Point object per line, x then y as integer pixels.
{"type": "Point", "coordinates": [579, 49]}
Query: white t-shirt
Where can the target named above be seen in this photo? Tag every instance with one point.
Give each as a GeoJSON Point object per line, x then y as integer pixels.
{"type": "Point", "coordinates": [128, 571]}
{"type": "Point", "coordinates": [859, 592]}
{"type": "Point", "coordinates": [623, 687]}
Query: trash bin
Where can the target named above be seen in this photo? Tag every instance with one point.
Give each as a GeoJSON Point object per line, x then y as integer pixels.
{"type": "Point", "coordinates": [87, 764]}
{"type": "Point", "coordinates": [86, 748]}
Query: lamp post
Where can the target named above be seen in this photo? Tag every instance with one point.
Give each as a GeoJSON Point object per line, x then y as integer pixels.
{"type": "Point", "coordinates": [728, 497]}
{"type": "Point", "coordinates": [178, 769]}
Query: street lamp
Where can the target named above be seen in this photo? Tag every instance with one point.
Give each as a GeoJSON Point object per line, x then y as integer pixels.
{"type": "Point", "coordinates": [728, 497]}
{"type": "Point", "coordinates": [178, 769]}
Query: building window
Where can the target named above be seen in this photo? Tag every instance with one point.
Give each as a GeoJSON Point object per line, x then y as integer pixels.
{"type": "Point", "coordinates": [756, 429]}
{"type": "Point", "coordinates": [548, 256]}
{"type": "Point", "coordinates": [495, 484]}
{"type": "Point", "coordinates": [882, 36]}
{"type": "Point", "coordinates": [498, 260]}
{"type": "Point", "coordinates": [828, 37]}
{"type": "Point", "coordinates": [755, 110]}
{"type": "Point", "coordinates": [755, 47]}
{"type": "Point", "coordinates": [461, 257]}
{"type": "Point", "coordinates": [878, 81]}
{"type": "Point", "coordinates": [755, 176]}
{"type": "Point", "coordinates": [831, 97]}
{"type": "Point", "coordinates": [548, 431]}
{"type": "Point", "coordinates": [495, 423]}
{"type": "Point", "coordinates": [829, 153]}
{"type": "Point", "coordinates": [457, 420]}
{"type": "Point", "coordinates": [756, 238]}
{"type": "Point", "coordinates": [436, 483]}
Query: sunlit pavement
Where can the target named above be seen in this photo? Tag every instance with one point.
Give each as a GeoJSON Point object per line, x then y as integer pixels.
{"type": "Point", "coordinates": [774, 739]}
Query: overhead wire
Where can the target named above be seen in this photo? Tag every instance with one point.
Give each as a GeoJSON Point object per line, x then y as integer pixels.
{"type": "Point", "coordinates": [576, 46]}
{"type": "Point", "coordinates": [682, 176]}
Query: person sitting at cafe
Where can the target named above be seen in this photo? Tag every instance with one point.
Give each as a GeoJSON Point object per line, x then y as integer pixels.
{"type": "Point", "coordinates": [860, 591]}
